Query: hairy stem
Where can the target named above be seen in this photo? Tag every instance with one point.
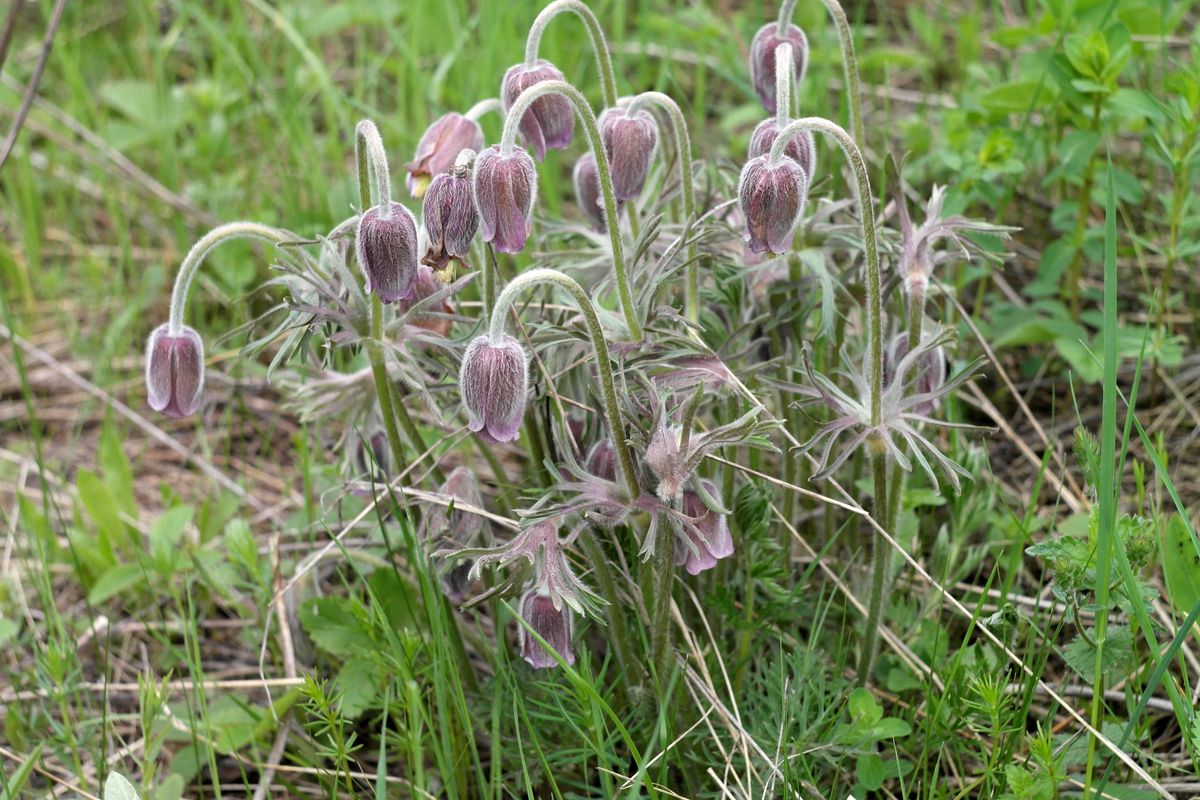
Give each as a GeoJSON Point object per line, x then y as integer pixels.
{"type": "Point", "coordinates": [663, 581]}
{"type": "Point", "coordinates": [200, 250]}
{"type": "Point", "coordinates": [485, 106]}
{"type": "Point", "coordinates": [628, 663]}
{"type": "Point", "coordinates": [371, 160]}
{"type": "Point", "coordinates": [683, 147]}
{"type": "Point", "coordinates": [880, 563]}
{"type": "Point", "coordinates": [588, 118]}
{"type": "Point", "coordinates": [382, 390]}
{"type": "Point", "coordinates": [783, 85]}
{"type": "Point", "coordinates": [608, 79]}
{"type": "Point", "coordinates": [596, 333]}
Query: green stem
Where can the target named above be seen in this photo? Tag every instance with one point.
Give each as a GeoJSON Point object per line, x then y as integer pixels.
{"type": "Point", "coordinates": [867, 221]}
{"type": "Point", "coordinates": [379, 371]}
{"type": "Point", "coordinates": [596, 333]}
{"type": "Point", "coordinates": [415, 438]}
{"type": "Point", "coordinates": [630, 666]}
{"type": "Point", "coordinates": [200, 250]}
{"type": "Point", "coordinates": [608, 79]}
{"type": "Point", "coordinates": [880, 562]}
{"type": "Point", "coordinates": [1074, 273]}
{"type": "Point", "coordinates": [683, 147]}
{"type": "Point", "coordinates": [663, 580]}
{"type": "Point", "coordinates": [850, 68]}
{"type": "Point", "coordinates": [584, 111]}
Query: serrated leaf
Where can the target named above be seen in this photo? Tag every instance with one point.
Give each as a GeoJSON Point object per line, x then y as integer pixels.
{"type": "Point", "coordinates": [333, 624]}
{"type": "Point", "coordinates": [1080, 654]}
{"type": "Point", "coordinates": [358, 686]}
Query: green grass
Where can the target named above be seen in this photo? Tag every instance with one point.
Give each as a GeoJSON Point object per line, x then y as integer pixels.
{"type": "Point", "coordinates": [204, 641]}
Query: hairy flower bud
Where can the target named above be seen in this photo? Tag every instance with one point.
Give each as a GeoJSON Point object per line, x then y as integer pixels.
{"type": "Point", "coordinates": [494, 381]}
{"type": "Point", "coordinates": [450, 217]}
{"type": "Point", "coordinates": [666, 462]}
{"type": "Point", "coordinates": [802, 148]}
{"type": "Point", "coordinates": [927, 376]}
{"type": "Point", "coordinates": [630, 141]}
{"type": "Point", "coordinates": [587, 192]}
{"type": "Point", "coordinates": [550, 121]}
{"type": "Point", "coordinates": [552, 624]}
{"type": "Point", "coordinates": [772, 199]}
{"type": "Point", "coordinates": [505, 189]}
{"type": "Point", "coordinates": [762, 59]}
{"type": "Point", "coordinates": [387, 252]}
{"type": "Point", "coordinates": [174, 371]}
{"type": "Point", "coordinates": [707, 538]}
{"type": "Point", "coordinates": [434, 316]}
{"type": "Point", "coordinates": [439, 147]}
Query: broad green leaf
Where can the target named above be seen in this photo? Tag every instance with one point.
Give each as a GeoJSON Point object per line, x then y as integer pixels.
{"type": "Point", "coordinates": [1180, 565]}
{"type": "Point", "coordinates": [168, 529]}
{"type": "Point", "coordinates": [117, 787]}
{"type": "Point", "coordinates": [114, 466]}
{"type": "Point", "coordinates": [102, 507]}
{"type": "Point", "coordinates": [1080, 654]}
{"type": "Point", "coordinates": [864, 709]}
{"type": "Point", "coordinates": [869, 771]}
{"type": "Point", "coordinates": [116, 580]}
{"type": "Point", "coordinates": [332, 623]}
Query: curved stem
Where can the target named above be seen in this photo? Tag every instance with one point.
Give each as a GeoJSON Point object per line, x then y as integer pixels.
{"type": "Point", "coordinates": [608, 80]}
{"type": "Point", "coordinates": [850, 68]}
{"type": "Point", "coordinates": [783, 85]}
{"type": "Point", "coordinates": [683, 146]}
{"type": "Point", "coordinates": [596, 333]}
{"type": "Point", "coordinates": [785, 16]}
{"type": "Point", "coordinates": [867, 220]}
{"type": "Point", "coordinates": [584, 111]}
{"type": "Point", "coordinates": [483, 107]}
{"type": "Point", "coordinates": [201, 249]}
{"type": "Point", "coordinates": [371, 159]}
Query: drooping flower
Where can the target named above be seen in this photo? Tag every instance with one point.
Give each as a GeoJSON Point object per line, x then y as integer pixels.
{"type": "Point", "coordinates": [772, 200]}
{"type": "Point", "coordinates": [706, 538]}
{"type": "Point", "coordinates": [505, 187]}
{"type": "Point", "coordinates": [552, 623]}
{"type": "Point", "coordinates": [387, 252]}
{"type": "Point", "coordinates": [494, 381]}
{"type": "Point", "coordinates": [762, 59]}
{"type": "Point", "coordinates": [630, 142]}
{"type": "Point", "coordinates": [587, 192]}
{"type": "Point", "coordinates": [174, 371]}
{"type": "Point", "coordinates": [439, 147]}
{"type": "Point", "coordinates": [802, 148]}
{"type": "Point", "coordinates": [451, 218]}
{"type": "Point", "coordinates": [550, 121]}
{"type": "Point", "coordinates": [673, 463]}
{"type": "Point", "coordinates": [443, 527]}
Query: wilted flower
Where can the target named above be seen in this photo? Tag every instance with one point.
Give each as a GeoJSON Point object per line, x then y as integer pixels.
{"type": "Point", "coordinates": [434, 317]}
{"type": "Point", "coordinates": [673, 463]}
{"type": "Point", "coordinates": [707, 539]}
{"type": "Point", "coordinates": [439, 147]}
{"type": "Point", "coordinates": [772, 199]}
{"type": "Point", "coordinates": [505, 188]}
{"type": "Point", "coordinates": [552, 623]}
{"type": "Point", "coordinates": [762, 59]}
{"type": "Point", "coordinates": [630, 141]}
{"type": "Point", "coordinates": [494, 381]}
{"type": "Point", "coordinates": [930, 372]}
{"type": "Point", "coordinates": [453, 528]}
{"type": "Point", "coordinates": [802, 148]}
{"type": "Point", "coordinates": [550, 121]}
{"type": "Point", "coordinates": [174, 371]}
{"type": "Point", "coordinates": [450, 217]}
{"type": "Point", "coordinates": [387, 252]}
{"type": "Point", "coordinates": [587, 191]}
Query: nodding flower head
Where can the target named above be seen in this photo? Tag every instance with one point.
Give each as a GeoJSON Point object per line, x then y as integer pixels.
{"type": "Point", "coordinates": [450, 217]}
{"type": "Point", "coordinates": [705, 538]}
{"type": "Point", "coordinates": [762, 59]}
{"type": "Point", "coordinates": [928, 374]}
{"type": "Point", "coordinates": [587, 192]}
{"type": "Point", "coordinates": [630, 141]}
{"type": "Point", "coordinates": [772, 199]}
{"type": "Point", "coordinates": [505, 188]}
{"type": "Point", "coordinates": [494, 380]}
{"type": "Point", "coordinates": [550, 121]}
{"type": "Point", "coordinates": [802, 148]}
{"type": "Point", "coordinates": [439, 147]}
{"type": "Point", "coordinates": [387, 252]}
{"type": "Point", "coordinates": [552, 623]}
{"type": "Point", "coordinates": [174, 371]}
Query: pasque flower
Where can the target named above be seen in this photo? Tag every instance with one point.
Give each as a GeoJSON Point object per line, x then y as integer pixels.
{"type": "Point", "coordinates": [802, 148]}
{"type": "Point", "coordinates": [387, 251]}
{"type": "Point", "coordinates": [494, 381]}
{"type": "Point", "coordinates": [550, 121]}
{"type": "Point", "coordinates": [454, 528]}
{"type": "Point", "coordinates": [439, 148]}
{"type": "Point", "coordinates": [433, 315]}
{"type": "Point", "coordinates": [762, 59]}
{"type": "Point", "coordinates": [450, 216]}
{"type": "Point", "coordinates": [928, 374]}
{"type": "Point", "coordinates": [772, 198]}
{"type": "Point", "coordinates": [587, 191]}
{"type": "Point", "coordinates": [505, 187]}
{"type": "Point", "coordinates": [630, 141]}
{"type": "Point", "coordinates": [552, 623]}
{"type": "Point", "coordinates": [174, 371]}
{"type": "Point", "coordinates": [706, 538]}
